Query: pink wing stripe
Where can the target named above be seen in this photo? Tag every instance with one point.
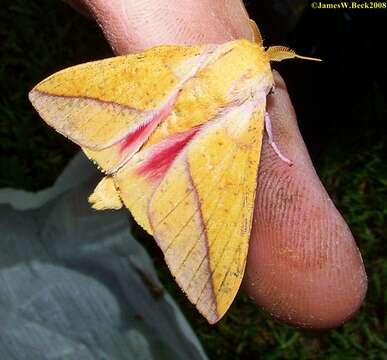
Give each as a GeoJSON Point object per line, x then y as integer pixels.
{"type": "Point", "coordinates": [162, 156]}
{"type": "Point", "coordinates": [133, 141]}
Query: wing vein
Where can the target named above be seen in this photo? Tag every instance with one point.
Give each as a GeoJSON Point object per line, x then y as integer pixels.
{"type": "Point", "coordinates": [187, 194]}
{"type": "Point", "coordinates": [196, 211]}
{"type": "Point", "coordinates": [212, 270]}
{"type": "Point", "coordinates": [205, 228]}
{"type": "Point", "coordinates": [228, 242]}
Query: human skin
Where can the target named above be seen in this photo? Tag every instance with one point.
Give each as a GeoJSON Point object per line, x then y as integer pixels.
{"type": "Point", "coordinates": [303, 265]}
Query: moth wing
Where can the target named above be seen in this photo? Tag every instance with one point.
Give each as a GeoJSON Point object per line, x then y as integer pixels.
{"type": "Point", "coordinates": [111, 106]}
{"type": "Point", "coordinates": [201, 213]}
{"type": "Point", "coordinates": [105, 195]}
{"type": "Point", "coordinates": [200, 208]}
{"type": "Point", "coordinates": [139, 178]}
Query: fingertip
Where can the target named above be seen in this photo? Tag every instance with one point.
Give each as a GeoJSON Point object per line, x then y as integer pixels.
{"type": "Point", "coordinates": [315, 301]}
{"type": "Point", "coordinates": [303, 265]}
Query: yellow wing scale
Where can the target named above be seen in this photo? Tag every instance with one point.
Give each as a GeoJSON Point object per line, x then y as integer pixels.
{"type": "Point", "coordinates": [227, 210]}
{"type": "Point", "coordinates": [138, 81]}
{"type": "Point", "coordinates": [98, 103]}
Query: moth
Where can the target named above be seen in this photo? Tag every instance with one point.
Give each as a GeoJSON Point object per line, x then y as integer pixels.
{"type": "Point", "coordinates": [177, 130]}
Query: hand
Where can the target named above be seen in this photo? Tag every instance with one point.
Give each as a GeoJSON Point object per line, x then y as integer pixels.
{"type": "Point", "coordinates": [303, 265]}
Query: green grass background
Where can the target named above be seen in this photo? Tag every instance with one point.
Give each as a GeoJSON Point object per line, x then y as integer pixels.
{"type": "Point", "coordinates": [40, 37]}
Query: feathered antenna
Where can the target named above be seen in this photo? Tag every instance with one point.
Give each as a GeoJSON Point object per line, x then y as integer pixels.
{"type": "Point", "coordinates": [279, 53]}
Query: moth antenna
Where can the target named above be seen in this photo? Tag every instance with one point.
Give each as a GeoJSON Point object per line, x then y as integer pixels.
{"type": "Point", "coordinates": [279, 53]}
{"type": "Point", "coordinates": [256, 33]}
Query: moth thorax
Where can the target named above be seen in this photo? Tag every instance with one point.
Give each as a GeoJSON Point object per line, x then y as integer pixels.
{"type": "Point", "coordinates": [253, 88]}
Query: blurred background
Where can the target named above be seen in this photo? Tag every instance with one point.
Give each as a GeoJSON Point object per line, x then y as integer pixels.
{"type": "Point", "coordinates": [341, 108]}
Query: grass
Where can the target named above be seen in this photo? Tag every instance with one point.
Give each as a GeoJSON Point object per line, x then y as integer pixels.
{"type": "Point", "coordinates": [37, 39]}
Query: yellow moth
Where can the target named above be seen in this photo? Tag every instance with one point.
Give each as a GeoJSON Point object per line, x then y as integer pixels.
{"type": "Point", "coordinates": [177, 130]}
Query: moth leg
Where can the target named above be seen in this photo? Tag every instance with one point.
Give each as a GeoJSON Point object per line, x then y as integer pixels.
{"type": "Point", "coordinates": [272, 142]}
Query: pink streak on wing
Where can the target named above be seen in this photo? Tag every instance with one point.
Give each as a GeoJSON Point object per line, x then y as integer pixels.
{"type": "Point", "coordinates": [162, 157]}
{"type": "Point", "coordinates": [133, 141]}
